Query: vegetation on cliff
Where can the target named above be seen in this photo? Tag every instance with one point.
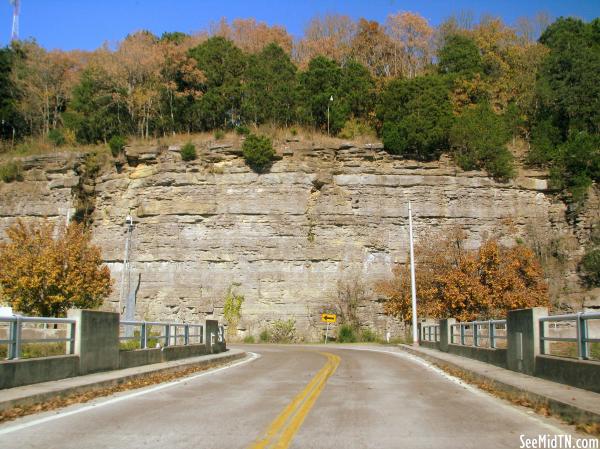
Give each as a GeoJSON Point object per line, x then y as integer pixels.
{"type": "Point", "coordinates": [464, 88]}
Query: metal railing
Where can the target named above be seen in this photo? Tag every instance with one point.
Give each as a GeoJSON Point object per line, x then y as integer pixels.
{"type": "Point", "coordinates": [171, 334]}
{"type": "Point", "coordinates": [430, 332]}
{"type": "Point", "coordinates": [478, 332]}
{"type": "Point", "coordinates": [582, 338]}
{"type": "Point", "coordinates": [15, 340]}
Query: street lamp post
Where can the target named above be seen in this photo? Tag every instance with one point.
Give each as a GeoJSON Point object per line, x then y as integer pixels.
{"type": "Point", "coordinates": [413, 288]}
{"type": "Point", "coordinates": [328, 103]}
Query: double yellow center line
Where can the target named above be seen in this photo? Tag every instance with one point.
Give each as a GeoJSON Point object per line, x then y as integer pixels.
{"type": "Point", "coordinates": [281, 431]}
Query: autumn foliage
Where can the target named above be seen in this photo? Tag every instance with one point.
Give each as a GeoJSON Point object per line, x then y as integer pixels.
{"type": "Point", "coordinates": [45, 270]}
{"type": "Point", "coordinates": [466, 284]}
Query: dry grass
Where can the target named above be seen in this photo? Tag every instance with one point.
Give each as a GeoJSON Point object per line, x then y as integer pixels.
{"type": "Point", "coordinates": [32, 146]}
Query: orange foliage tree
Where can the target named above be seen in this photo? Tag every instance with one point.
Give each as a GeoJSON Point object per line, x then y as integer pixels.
{"type": "Point", "coordinates": [41, 274]}
{"type": "Point", "coordinates": [466, 284]}
{"type": "Point", "coordinates": [252, 36]}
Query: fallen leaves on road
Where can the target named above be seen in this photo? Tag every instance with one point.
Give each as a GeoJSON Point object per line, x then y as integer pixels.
{"type": "Point", "coordinates": [540, 407]}
{"type": "Point", "coordinates": [139, 381]}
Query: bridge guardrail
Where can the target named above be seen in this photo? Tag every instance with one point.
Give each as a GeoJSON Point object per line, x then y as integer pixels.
{"type": "Point", "coordinates": [430, 332]}
{"type": "Point", "coordinates": [15, 340]}
{"type": "Point", "coordinates": [473, 333]}
{"type": "Point", "coordinates": [582, 332]}
{"type": "Point", "coordinates": [170, 335]}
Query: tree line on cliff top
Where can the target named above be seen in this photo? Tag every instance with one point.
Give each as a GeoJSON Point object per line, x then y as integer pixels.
{"type": "Point", "coordinates": [464, 88]}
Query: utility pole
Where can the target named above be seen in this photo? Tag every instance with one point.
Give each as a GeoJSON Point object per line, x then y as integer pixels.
{"type": "Point", "coordinates": [413, 288]}
{"type": "Point", "coordinates": [125, 273]}
{"type": "Point", "coordinates": [328, 103]}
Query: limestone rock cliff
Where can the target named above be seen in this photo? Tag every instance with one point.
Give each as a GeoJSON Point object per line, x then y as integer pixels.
{"type": "Point", "coordinates": [286, 237]}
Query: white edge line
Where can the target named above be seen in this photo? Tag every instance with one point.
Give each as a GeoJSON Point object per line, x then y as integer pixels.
{"type": "Point", "coordinates": [14, 428]}
{"type": "Point", "coordinates": [471, 388]}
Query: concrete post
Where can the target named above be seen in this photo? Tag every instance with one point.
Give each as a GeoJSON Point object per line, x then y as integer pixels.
{"type": "Point", "coordinates": [523, 338]}
{"type": "Point", "coordinates": [211, 336]}
{"type": "Point", "coordinates": [96, 340]}
{"type": "Point", "coordinates": [445, 333]}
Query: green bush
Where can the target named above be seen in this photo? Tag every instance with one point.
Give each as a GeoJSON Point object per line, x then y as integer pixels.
{"type": "Point", "coordinates": [116, 145]}
{"type": "Point", "coordinates": [283, 331]}
{"type": "Point", "coordinates": [249, 339]}
{"type": "Point", "coordinates": [219, 134]}
{"type": "Point", "coordinates": [367, 335]}
{"type": "Point", "coordinates": [416, 116]}
{"type": "Point", "coordinates": [258, 152]}
{"type": "Point", "coordinates": [577, 165]}
{"type": "Point", "coordinates": [590, 265]}
{"type": "Point", "coordinates": [242, 130]}
{"type": "Point", "coordinates": [346, 334]}
{"type": "Point", "coordinates": [478, 139]}
{"type": "Point", "coordinates": [264, 336]}
{"type": "Point", "coordinates": [11, 171]}
{"type": "Point", "coordinates": [188, 152]}
{"type": "Point", "coordinates": [57, 137]}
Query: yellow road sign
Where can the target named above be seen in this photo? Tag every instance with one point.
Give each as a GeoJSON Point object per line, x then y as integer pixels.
{"type": "Point", "coordinates": [328, 317]}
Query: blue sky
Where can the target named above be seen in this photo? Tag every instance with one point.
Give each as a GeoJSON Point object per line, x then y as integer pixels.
{"type": "Point", "coordinates": [86, 24]}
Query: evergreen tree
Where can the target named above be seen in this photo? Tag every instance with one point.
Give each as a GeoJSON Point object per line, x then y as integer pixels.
{"type": "Point", "coordinates": [318, 85]}
{"type": "Point", "coordinates": [478, 138]}
{"type": "Point", "coordinates": [416, 116]}
{"type": "Point", "coordinates": [95, 113]}
{"type": "Point", "coordinates": [460, 56]}
{"type": "Point", "coordinates": [270, 87]}
{"type": "Point", "coordinates": [223, 65]}
{"type": "Point", "coordinates": [11, 122]}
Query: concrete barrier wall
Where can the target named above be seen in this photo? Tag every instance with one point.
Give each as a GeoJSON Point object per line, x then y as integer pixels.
{"type": "Point", "coordinates": [16, 373]}
{"type": "Point", "coordinates": [494, 356]}
{"type": "Point", "coordinates": [577, 373]}
{"type": "Point", "coordinates": [97, 349]}
{"type": "Point", "coordinates": [138, 357]}
{"type": "Point", "coordinates": [430, 344]}
{"type": "Point", "coordinates": [522, 353]}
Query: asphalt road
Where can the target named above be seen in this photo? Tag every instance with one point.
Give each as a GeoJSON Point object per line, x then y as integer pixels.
{"type": "Point", "coordinates": [292, 396]}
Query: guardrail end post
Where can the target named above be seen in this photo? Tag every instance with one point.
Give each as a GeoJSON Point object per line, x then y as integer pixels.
{"type": "Point", "coordinates": [523, 338]}
{"type": "Point", "coordinates": [582, 335]}
{"type": "Point", "coordinates": [143, 336]}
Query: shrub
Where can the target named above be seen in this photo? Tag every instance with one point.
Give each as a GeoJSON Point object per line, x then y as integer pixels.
{"type": "Point", "coordinates": [590, 265]}
{"type": "Point", "coordinates": [11, 171]}
{"type": "Point", "coordinates": [242, 130]}
{"type": "Point", "coordinates": [346, 334]}
{"type": "Point", "coordinates": [219, 134]}
{"type": "Point", "coordinates": [355, 128]}
{"type": "Point", "coordinates": [258, 152]}
{"type": "Point", "coordinates": [116, 145]}
{"type": "Point", "coordinates": [264, 336]}
{"type": "Point", "coordinates": [283, 331]}
{"type": "Point", "coordinates": [249, 339]}
{"type": "Point", "coordinates": [232, 310]}
{"type": "Point", "coordinates": [188, 152]}
{"type": "Point", "coordinates": [57, 138]}
{"type": "Point", "coordinates": [367, 335]}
